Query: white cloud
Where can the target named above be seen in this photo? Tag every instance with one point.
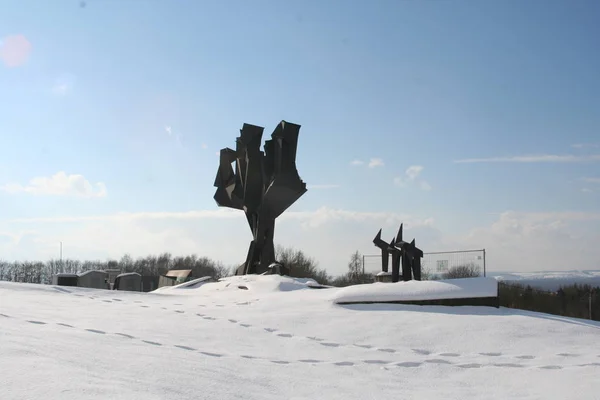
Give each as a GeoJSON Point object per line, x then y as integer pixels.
{"type": "Point", "coordinates": [528, 241]}
{"type": "Point", "coordinates": [585, 145]}
{"type": "Point", "coordinates": [357, 162]}
{"type": "Point", "coordinates": [375, 162]}
{"type": "Point", "coordinates": [332, 186]}
{"type": "Point", "coordinates": [59, 184]}
{"type": "Point", "coordinates": [413, 171]}
{"type": "Point", "coordinates": [591, 180]}
{"type": "Point", "coordinates": [425, 186]}
{"type": "Point", "coordinates": [139, 234]}
{"type": "Point", "coordinates": [14, 50]}
{"type": "Point", "coordinates": [313, 218]}
{"type": "Point", "coordinates": [514, 241]}
{"type": "Point", "coordinates": [60, 89]}
{"type": "Point", "coordinates": [543, 158]}
{"type": "Point", "coordinates": [410, 175]}
{"type": "Point", "coordinates": [64, 85]}
{"type": "Point", "coordinates": [587, 190]}
{"type": "Point", "coordinates": [171, 133]}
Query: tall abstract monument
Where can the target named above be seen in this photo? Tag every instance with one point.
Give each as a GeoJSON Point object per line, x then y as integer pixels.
{"type": "Point", "coordinates": [404, 254]}
{"type": "Point", "coordinates": [263, 185]}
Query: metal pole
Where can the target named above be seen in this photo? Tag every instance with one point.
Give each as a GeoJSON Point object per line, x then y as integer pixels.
{"type": "Point", "coordinates": [484, 262]}
{"type": "Point", "coordinates": [590, 304]}
{"type": "Point", "coordinates": [363, 257]}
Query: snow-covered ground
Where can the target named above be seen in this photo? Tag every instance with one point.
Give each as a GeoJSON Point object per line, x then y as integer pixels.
{"type": "Point", "coordinates": [274, 338]}
{"type": "Point", "coordinates": [550, 280]}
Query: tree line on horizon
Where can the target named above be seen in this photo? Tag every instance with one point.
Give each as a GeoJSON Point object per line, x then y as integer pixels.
{"type": "Point", "coordinates": [300, 264]}
{"type": "Point", "coordinates": [578, 301]}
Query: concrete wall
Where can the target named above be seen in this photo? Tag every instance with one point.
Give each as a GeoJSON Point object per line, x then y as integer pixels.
{"type": "Point", "coordinates": [93, 279]}
{"type": "Point", "coordinates": [130, 281]}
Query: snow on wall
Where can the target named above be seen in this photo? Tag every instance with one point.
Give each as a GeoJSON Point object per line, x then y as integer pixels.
{"type": "Point", "coordinates": [418, 290]}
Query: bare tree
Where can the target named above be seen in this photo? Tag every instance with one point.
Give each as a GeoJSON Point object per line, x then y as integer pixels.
{"type": "Point", "coordinates": [300, 265]}
{"type": "Point", "coordinates": [469, 270]}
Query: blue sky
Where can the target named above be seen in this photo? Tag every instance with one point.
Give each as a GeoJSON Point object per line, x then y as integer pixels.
{"type": "Point", "coordinates": [476, 123]}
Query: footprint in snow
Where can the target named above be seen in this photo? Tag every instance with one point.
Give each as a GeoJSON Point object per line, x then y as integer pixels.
{"type": "Point", "coordinates": [344, 363]}
{"type": "Point", "coordinates": [330, 344]}
{"type": "Point", "coordinates": [152, 343]}
{"type": "Point", "coordinates": [385, 350]}
{"type": "Point", "coordinates": [211, 354]}
{"type": "Point", "coordinates": [143, 306]}
{"type": "Point", "coordinates": [271, 330]}
{"type": "Point", "coordinates": [422, 351]}
{"type": "Point", "coordinates": [409, 364]}
{"type": "Point", "coordinates": [233, 321]}
{"type": "Point", "coordinates": [125, 335]}
{"type": "Point", "coordinates": [508, 365]}
{"type": "Point", "coordinates": [65, 325]}
{"type": "Point", "coordinates": [246, 325]}
{"type": "Point", "coordinates": [96, 331]}
{"type": "Point", "coordinates": [117, 300]}
{"type": "Point", "coordinates": [249, 357]}
{"type": "Point", "coordinates": [365, 346]}
{"type": "Point", "coordinates": [525, 357]}
{"type": "Point", "coordinates": [472, 365]}
{"type": "Point", "coordinates": [551, 367]}
{"type": "Point", "coordinates": [179, 311]}
{"type": "Point", "coordinates": [568, 355]}
{"type": "Point", "coordinates": [491, 354]}
{"type": "Point", "coordinates": [185, 347]}
{"type": "Point", "coordinates": [107, 301]}
{"type": "Point", "coordinates": [311, 361]}
{"type": "Point", "coordinates": [279, 362]}
{"type": "Point", "coordinates": [380, 362]}
{"type": "Point", "coordinates": [316, 339]}
{"type": "Point", "coordinates": [286, 335]}
{"type": "Point", "coordinates": [438, 361]}
{"type": "Point", "coordinates": [61, 290]}
{"type": "Point", "coordinates": [594, 364]}
{"type": "Point", "coordinates": [5, 316]}
{"type": "Point", "coordinates": [37, 322]}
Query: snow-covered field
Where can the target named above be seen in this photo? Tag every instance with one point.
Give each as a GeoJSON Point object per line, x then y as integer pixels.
{"type": "Point", "coordinates": [277, 339]}
{"type": "Point", "coordinates": [552, 280]}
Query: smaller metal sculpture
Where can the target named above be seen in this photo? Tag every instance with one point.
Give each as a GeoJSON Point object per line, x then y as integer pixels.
{"type": "Point", "coordinates": [407, 254]}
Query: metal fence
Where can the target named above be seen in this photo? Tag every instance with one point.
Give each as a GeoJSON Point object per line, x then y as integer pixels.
{"type": "Point", "coordinates": [436, 263]}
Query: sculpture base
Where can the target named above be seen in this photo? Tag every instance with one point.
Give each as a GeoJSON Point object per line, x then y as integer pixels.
{"type": "Point", "coordinates": [472, 301]}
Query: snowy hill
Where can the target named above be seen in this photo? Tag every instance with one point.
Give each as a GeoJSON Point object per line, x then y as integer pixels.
{"type": "Point", "coordinates": [550, 280]}
{"type": "Point", "coordinates": [275, 338]}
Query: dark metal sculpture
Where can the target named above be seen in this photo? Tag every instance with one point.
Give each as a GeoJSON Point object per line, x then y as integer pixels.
{"type": "Point", "coordinates": [264, 185]}
{"type": "Point", "coordinates": [407, 254]}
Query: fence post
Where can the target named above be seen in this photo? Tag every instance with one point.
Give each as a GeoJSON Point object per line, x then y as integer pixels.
{"type": "Point", "coordinates": [484, 263]}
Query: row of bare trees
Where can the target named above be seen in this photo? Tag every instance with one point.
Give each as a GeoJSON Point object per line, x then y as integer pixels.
{"type": "Point", "coordinates": [301, 265]}
{"type": "Point", "coordinates": [154, 265]}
